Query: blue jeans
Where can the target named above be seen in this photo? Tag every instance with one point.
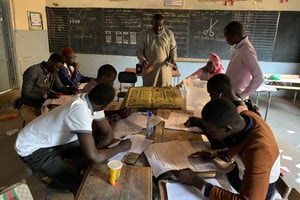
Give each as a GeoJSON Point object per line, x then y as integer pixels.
{"type": "Point", "coordinates": [236, 182]}
{"type": "Point", "coordinates": [51, 162]}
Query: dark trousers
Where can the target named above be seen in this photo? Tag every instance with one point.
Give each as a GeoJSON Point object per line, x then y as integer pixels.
{"type": "Point", "coordinates": [52, 163]}
{"type": "Point", "coordinates": [236, 182]}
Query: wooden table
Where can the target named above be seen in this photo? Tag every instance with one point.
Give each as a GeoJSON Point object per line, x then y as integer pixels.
{"type": "Point", "coordinates": [286, 82]}
{"type": "Point", "coordinates": [263, 88]}
{"type": "Point", "coordinates": [135, 183]}
{"type": "Point", "coordinates": [175, 75]}
{"type": "Point", "coordinates": [164, 135]}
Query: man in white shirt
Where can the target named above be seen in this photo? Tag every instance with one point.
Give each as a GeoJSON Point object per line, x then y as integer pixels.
{"type": "Point", "coordinates": [66, 133]}
{"type": "Point", "coordinates": [243, 69]}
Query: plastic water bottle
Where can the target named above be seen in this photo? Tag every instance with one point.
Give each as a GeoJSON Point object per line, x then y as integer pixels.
{"type": "Point", "coordinates": [149, 129]}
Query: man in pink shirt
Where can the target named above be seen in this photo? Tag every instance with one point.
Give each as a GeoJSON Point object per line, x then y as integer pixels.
{"type": "Point", "coordinates": [243, 69]}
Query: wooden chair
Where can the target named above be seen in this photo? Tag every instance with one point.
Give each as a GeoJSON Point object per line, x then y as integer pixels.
{"type": "Point", "coordinates": [125, 77]}
{"type": "Point", "coordinates": [282, 187]}
{"type": "Point", "coordinates": [293, 195]}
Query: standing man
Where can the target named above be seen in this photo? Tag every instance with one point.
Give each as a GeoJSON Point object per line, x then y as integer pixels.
{"type": "Point", "coordinates": [40, 82]}
{"type": "Point", "coordinates": [156, 51]}
{"type": "Point", "coordinates": [243, 69]}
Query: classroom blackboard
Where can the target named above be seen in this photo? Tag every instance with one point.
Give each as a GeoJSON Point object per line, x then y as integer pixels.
{"type": "Point", "coordinates": [115, 31]}
{"type": "Point", "coordinates": [287, 45]}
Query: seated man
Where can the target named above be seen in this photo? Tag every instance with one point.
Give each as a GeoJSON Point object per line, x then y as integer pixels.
{"type": "Point", "coordinates": [212, 67]}
{"type": "Point", "coordinates": [220, 86]}
{"type": "Point", "coordinates": [66, 133]}
{"type": "Point", "coordinates": [106, 74]}
{"type": "Point", "coordinates": [40, 81]}
{"type": "Point", "coordinates": [69, 74]}
{"type": "Point", "coordinates": [249, 141]}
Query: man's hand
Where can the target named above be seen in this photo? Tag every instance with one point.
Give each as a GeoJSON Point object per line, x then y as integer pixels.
{"type": "Point", "coordinates": [188, 177]}
{"type": "Point", "coordinates": [179, 85]}
{"type": "Point", "coordinates": [76, 66]}
{"type": "Point", "coordinates": [174, 66]}
{"type": "Point", "coordinates": [204, 154]}
{"type": "Point", "coordinates": [53, 95]}
{"type": "Point", "coordinates": [124, 112]}
{"type": "Point", "coordinates": [145, 63]}
{"type": "Point", "coordinates": [124, 145]}
{"type": "Point", "coordinates": [193, 121]}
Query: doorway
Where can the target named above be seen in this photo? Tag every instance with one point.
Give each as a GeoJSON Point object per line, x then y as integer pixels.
{"type": "Point", "coordinates": [8, 75]}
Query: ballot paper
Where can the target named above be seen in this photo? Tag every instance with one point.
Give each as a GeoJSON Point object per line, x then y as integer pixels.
{"type": "Point", "coordinates": [172, 156]}
{"type": "Point", "coordinates": [134, 123]}
{"type": "Point", "coordinates": [176, 121]}
{"type": "Point", "coordinates": [179, 191]}
{"type": "Point", "coordinates": [139, 144]}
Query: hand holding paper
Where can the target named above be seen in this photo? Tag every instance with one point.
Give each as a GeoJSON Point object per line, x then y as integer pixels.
{"type": "Point", "coordinates": [205, 154]}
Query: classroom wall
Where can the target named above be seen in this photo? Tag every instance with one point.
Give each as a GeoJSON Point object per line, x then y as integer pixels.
{"type": "Point", "coordinates": [31, 46]}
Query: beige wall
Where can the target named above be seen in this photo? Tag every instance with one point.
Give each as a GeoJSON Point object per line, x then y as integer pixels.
{"type": "Point", "coordinates": [187, 4]}
{"type": "Point", "coordinates": [31, 46]}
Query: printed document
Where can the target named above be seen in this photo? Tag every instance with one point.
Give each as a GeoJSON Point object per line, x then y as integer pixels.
{"type": "Point", "coordinates": [169, 156]}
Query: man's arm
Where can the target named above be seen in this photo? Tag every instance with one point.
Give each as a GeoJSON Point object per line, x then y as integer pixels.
{"type": "Point", "coordinates": [30, 77]}
{"type": "Point", "coordinates": [95, 155]}
{"type": "Point", "coordinates": [140, 48]}
{"type": "Point", "coordinates": [103, 132]}
{"type": "Point", "coordinates": [257, 76]}
{"type": "Point", "coordinates": [67, 80]}
{"type": "Point", "coordinates": [59, 87]}
{"type": "Point", "coordinates": [173, 48]}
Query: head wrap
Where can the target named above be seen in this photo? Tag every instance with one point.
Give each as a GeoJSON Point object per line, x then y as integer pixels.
{"type": "Point", "coordinates": [67, 51]}
{"type": "Point", "coordinates": [217, 62]}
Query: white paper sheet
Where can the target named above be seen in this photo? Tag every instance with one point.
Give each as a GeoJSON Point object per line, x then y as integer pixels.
{"type": "Point", "coordinates": [167, 156]}
{"type": "Point", "coordinates": [139, 144]}
{"type": "Point", "coordinates": [176, 121]}
{"type": "Point", "coordinates": [178, 191]}
{"type": "Point", "coordinates": [132, 124]}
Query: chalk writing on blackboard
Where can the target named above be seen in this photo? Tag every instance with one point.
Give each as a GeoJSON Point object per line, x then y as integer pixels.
{"type": "Point", "coordinates": [114, 31]}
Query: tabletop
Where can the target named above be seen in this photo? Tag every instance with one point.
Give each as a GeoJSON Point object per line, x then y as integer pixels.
{"type": "Point", "coordinates": [135, 183]}
{"type": "Point", "coordinates": [175, 73]}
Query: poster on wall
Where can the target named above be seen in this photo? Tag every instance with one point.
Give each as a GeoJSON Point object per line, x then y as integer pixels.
{"type": "Point", "coordinates": [173, 2]}
{"type": "Point", "coordinates": [35, 20]}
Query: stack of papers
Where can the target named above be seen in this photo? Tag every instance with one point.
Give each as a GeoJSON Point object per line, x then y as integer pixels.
{"type": "Point", "coordinates": [176, 121]}
{"type": "Point", "coordinates": [167, 156]}
{"type": "Point", "coordinates": [139, 144]}
{"type": "Point", "coordinates": [132, 124]}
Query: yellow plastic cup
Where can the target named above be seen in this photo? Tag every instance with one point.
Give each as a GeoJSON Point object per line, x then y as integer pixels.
{"type": "Point", "coordinates": [114, 171]}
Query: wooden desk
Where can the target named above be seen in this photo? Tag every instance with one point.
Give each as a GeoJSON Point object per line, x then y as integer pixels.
{"type": "Point", "coordinates": [262, 89]}
{"type": "Point", "coordinates": [286, 82]}
{"type": "Point", "coordinates": [175, 75]}
{"type": "Point", "coordinates": [164, 135]}
{"type": "Point", "coordinates": [135, 183]}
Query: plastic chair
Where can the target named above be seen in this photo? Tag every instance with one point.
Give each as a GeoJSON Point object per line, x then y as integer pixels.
{"type": "Point", "coordinates": [125, 78]}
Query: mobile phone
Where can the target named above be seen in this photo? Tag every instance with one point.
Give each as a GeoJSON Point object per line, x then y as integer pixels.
{"type": "Point", "coordinates": [131, 158]}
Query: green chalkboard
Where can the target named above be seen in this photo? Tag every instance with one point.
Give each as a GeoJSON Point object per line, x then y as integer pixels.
{"type": "Point", "coordinates": [114, 31]}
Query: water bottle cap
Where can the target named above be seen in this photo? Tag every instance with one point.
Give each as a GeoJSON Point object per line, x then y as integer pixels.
{"type": "Point", "coordinates": [149, 113]}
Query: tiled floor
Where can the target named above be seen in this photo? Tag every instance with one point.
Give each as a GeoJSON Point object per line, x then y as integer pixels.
{"type": "Point", "coordinates": [283, 117]}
